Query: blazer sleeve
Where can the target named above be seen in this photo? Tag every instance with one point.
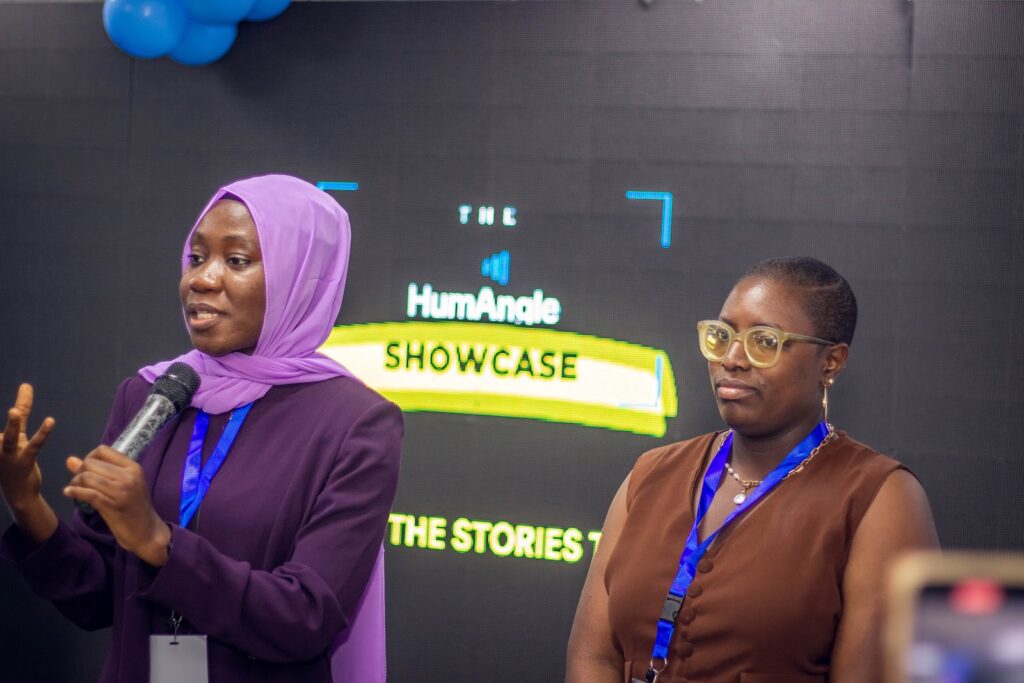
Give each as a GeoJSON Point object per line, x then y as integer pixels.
{"type": "Point", "coordinates": [295, 611]}
{"type": "Point", "coordinates": [74, 567]}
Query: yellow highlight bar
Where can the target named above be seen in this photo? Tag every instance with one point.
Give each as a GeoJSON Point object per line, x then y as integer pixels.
{"type": "Point", "coordinates": [511, 371]}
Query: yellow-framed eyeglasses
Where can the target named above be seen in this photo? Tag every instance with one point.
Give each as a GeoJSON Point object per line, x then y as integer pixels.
{"type": "Point", "coordinates": [762, 344]}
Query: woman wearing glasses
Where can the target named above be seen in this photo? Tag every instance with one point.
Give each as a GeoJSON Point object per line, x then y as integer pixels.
{"type": "Point", "coordinates": [755, 554]}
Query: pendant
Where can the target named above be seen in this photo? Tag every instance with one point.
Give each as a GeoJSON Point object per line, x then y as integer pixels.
{"type": "Point", "coordinates": [739, 498]}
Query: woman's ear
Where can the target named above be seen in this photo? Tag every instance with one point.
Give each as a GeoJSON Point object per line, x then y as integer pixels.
{"type": "Point", "coordinates": [835, 361]}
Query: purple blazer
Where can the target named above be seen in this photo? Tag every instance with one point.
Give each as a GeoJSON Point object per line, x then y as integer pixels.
{"type": "Point", "coordinates": [274, 564]}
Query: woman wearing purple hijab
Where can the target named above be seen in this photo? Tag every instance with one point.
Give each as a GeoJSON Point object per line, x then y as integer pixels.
{"type": "Point", "coordinates": [244, 539]}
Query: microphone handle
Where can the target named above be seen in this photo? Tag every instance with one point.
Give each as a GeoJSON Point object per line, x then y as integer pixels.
{"type": "Point", "coordinates": [153, 415]}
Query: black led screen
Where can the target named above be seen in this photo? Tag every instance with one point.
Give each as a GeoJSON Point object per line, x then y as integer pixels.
{"type": "Point", "coordinates": [627, 163]}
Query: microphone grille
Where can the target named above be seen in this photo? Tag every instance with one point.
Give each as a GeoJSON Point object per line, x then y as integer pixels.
{"type": "Point", "coordinates": [177, 384]}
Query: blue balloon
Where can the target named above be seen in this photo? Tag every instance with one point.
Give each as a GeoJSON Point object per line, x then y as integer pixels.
{"type": "Point", "coordinates": [145, 28]}
{"type": "Point", "coordinates": [218, 11]}
{"type": "Point", "coordinates": [204, 43]}
{"type": "Point", "coordinates": [267, 9]}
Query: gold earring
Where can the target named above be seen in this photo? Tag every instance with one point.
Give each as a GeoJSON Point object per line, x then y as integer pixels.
{"type": "Point", "coordinates": [824, 398]}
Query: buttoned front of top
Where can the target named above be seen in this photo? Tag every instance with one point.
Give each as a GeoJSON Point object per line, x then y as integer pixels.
{"type": "Point", "coordinates": [766, 598]}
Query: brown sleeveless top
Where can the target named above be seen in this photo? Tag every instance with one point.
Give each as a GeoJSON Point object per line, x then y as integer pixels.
{"type": "Point", "coordinates": [767, 597]}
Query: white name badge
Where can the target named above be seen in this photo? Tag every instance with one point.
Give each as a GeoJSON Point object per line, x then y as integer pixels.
{"type": "Point", "coordinates": [178, 659]}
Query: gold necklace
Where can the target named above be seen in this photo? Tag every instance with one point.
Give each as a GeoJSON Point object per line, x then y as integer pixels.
{"type": "Point", "coordinates": [747, 484]}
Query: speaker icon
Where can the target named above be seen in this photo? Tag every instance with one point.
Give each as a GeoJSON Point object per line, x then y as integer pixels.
{"type": "Point", "coordinates": [496, 267]}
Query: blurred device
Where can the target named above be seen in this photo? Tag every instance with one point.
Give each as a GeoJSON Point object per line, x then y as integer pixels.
{"type": "Point", "coordinates": [956, 617]}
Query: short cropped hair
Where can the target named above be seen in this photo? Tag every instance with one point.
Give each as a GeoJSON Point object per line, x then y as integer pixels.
{"type": "Point", "coordinates": [829, 300]}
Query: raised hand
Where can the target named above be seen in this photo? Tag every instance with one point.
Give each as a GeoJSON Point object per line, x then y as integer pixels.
{"type": "Point", "coordinates": [114, 485]}
{"type": "Point", "coordinates": [20, 477]}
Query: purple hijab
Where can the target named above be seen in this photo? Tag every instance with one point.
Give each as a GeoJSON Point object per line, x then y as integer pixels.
{"type": "Point", "coordinates": [304, 237]}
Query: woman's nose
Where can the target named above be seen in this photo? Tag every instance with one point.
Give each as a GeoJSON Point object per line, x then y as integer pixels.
{"type": "Point", "coordinates": [736, 355]}
{"type": "Point", "coordinates": [205, 277]}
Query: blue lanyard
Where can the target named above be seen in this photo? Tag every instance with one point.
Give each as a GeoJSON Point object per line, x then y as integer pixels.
{"type": "Point", "coordinates": [195, 482]}
{"type": "Point", "coordinates": [695, 550]}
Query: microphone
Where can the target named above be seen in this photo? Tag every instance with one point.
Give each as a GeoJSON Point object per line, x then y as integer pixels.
{"type": "Point", "coordinates": [171, 393]}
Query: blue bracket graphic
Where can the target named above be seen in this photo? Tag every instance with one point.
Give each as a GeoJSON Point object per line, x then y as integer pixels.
{"type": "Point", "coordinates": [326, 185]}
{"type": "Point", "coordinates": [666, 211]}
{"type": "Point", "coordinates": [659, 370]}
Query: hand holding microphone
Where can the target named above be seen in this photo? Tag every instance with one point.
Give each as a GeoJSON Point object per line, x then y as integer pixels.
{"type": "Point", "coordinates": [111, 482]}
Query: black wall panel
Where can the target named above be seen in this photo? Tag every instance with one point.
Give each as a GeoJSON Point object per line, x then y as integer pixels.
{"type": "Point", "coordinates": [883, 136]}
